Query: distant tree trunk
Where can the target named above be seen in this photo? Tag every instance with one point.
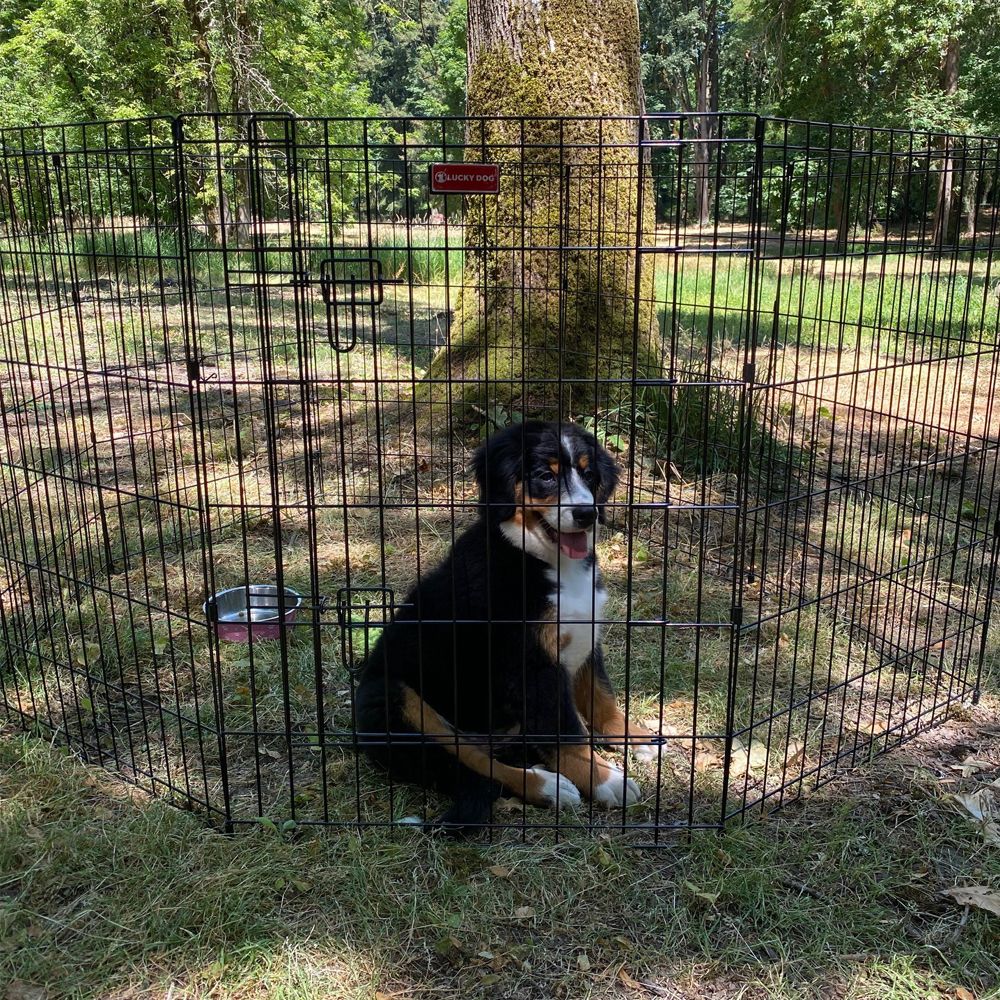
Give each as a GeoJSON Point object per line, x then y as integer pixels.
{"type": "Point", "coordinates": [971, 195]}
{"type": "Point", "coordinates": [707, 104]}
{"type": "Point", "coordinates": [242, 43]}
{"type": "Point", "coordinates": [540, 301]}
{"type": "Point", "coordinates": [944, 227]}
{"type": "Point", "coordinates": [842, 207]}
{"type": "Point", "coordinates": [199, 18]}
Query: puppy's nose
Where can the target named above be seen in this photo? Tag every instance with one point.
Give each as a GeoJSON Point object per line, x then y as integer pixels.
{"type": "Point", "coordinates": [584, 517]}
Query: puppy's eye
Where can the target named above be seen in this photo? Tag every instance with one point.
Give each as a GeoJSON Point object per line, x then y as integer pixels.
{"type": "Point", "coordinates": [546, 476]}
{"type": "Point", "coordinates": [588, 476]}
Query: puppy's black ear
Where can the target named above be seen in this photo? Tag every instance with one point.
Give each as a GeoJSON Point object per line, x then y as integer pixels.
{"type": "Point", "coordinates": [607, 480]}
{"type": "Point", "coordinates": [497, 465]}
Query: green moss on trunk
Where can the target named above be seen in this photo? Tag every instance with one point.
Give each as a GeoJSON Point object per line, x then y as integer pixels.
{"type": "Point", "coordinates": [550, 291]}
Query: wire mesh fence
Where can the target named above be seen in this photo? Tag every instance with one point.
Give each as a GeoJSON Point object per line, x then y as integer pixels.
{"type": "Point", "coordinates": [261, 352]}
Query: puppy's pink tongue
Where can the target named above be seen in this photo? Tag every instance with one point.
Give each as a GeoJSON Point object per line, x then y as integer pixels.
{"type": "Point", "coordinates": [573, 543]}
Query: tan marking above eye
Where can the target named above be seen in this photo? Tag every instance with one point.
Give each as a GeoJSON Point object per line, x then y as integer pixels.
{"type": "Point", "coordinates": [538, 503]}
{"type": "Point", "coordinates": [554, 465]}
{"type": "Point", "coordinates": [583, 461]}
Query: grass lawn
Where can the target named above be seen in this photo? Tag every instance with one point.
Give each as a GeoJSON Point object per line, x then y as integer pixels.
{"type": "Point", "coordinates": [105, 893]}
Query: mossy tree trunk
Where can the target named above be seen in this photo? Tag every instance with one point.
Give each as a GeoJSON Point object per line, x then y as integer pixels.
{"type": "Point", "coordinates": [552, 315]}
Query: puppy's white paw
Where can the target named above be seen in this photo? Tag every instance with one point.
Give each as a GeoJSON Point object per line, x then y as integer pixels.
{"type": "Point", "coordinates": [648, 753]}
{"type": "Point", "coordinates": [556, 789]}
{"type": "Point", "coordinates": [617, 790]}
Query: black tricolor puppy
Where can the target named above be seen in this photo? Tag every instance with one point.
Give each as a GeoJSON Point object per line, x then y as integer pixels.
{"type": "Point", "coordinates": [492, 673]}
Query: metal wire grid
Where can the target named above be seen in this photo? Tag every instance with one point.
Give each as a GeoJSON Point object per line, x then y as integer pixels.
{"type": "Point", "coordinates": [215, 329]}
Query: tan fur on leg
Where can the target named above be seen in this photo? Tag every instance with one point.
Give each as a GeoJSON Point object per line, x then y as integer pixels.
{"type": "Point", "coordinates": [534, 785]}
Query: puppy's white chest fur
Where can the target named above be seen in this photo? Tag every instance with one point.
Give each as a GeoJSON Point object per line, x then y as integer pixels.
{"type": "Point", "coordinates": [578, 598]}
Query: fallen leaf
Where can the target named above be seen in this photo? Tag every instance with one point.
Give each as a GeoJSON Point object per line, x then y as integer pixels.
{"type": "Point", "coordinates": [937, 647]}
{"type": "Point", "coordinates": [972, 803]}
{"type": "Point", "coordinates": [658, 727]}
{"type": "Point", "coordinates": [524, 912]}
{"type": "Point", "coordinates": [500, 871]}
{"type": "Point", "coordinates": [583, 962]}
{"type": "Point", "coordinates": [510, 805]}
{"type": "Point", "coordinates": [980, 897]}
{"type": "Point", "coordinates": [970, 766]}
{"type": "Point", "coordinates": [604, 859]}
{"type": "Point", "coordinates": [627, 980]}
{"type": "Point", "coordinates": [657, 991]}
{"type": "Point", "coordinates": [795, 754]}
{"type": "Point", "coordinates": [705, 761]}
{"type": "Point", "coordinates": [709, 897]}
{"type": "Point", "coordinates": [448, 946]}
{"type": "Point", "coordinates": [961, 993]}
{"type": "Point", "coordinates": [752, 758]}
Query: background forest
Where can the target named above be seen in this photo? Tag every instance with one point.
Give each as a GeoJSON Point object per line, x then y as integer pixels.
{"type": "Point", "coordinates": [867, 62]}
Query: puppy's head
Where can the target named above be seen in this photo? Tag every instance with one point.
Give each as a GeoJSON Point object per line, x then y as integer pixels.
{"type": "Point", "coordinates": [545, 485]}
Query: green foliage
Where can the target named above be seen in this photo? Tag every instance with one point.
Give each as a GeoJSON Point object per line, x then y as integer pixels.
{"type": "Point", "coordinates": [861, 61]}
{"type": "Point", "coordinates": [441, 69]}
{"type": "Point", "coordinates": [877, 62]}
{"type": "Point", "coordinates": [674, 34]}
{"type": "Point", "coordinates": [868, 62]}
{"type": "Point", "coordinates": [416, 61]}
{"type": "Point", "coordinates": [71, 60]}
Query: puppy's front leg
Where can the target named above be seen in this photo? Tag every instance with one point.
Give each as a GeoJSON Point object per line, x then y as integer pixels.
{"type": "Point", "coordinates": [563, 740]}
{"type": "Point", "coordinates": [595, 700]}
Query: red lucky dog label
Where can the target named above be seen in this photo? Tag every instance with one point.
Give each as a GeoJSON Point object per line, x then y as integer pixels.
{"type": "Point", "coordinates": [465, 178]}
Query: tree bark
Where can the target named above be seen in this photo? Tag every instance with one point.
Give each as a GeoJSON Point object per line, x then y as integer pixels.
{"type": "Point", "coordinates": [546, 323]}
{"type": "Point", "coordinates": [200, 21]}
{"type": "Point", "coordinates": [971, 197]}
{"type": "Point", "coordinates": [242, 42]}
{"type": "Point", "coordinates": [707, 105]}
{"type": "Point", "coordinates": [944, 227]}
{"type": "Point", "coordinates": [842, 192]}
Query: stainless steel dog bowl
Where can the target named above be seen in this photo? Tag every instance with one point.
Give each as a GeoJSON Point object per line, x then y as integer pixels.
{"type": "Point", "coordinates": [256, 611]}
